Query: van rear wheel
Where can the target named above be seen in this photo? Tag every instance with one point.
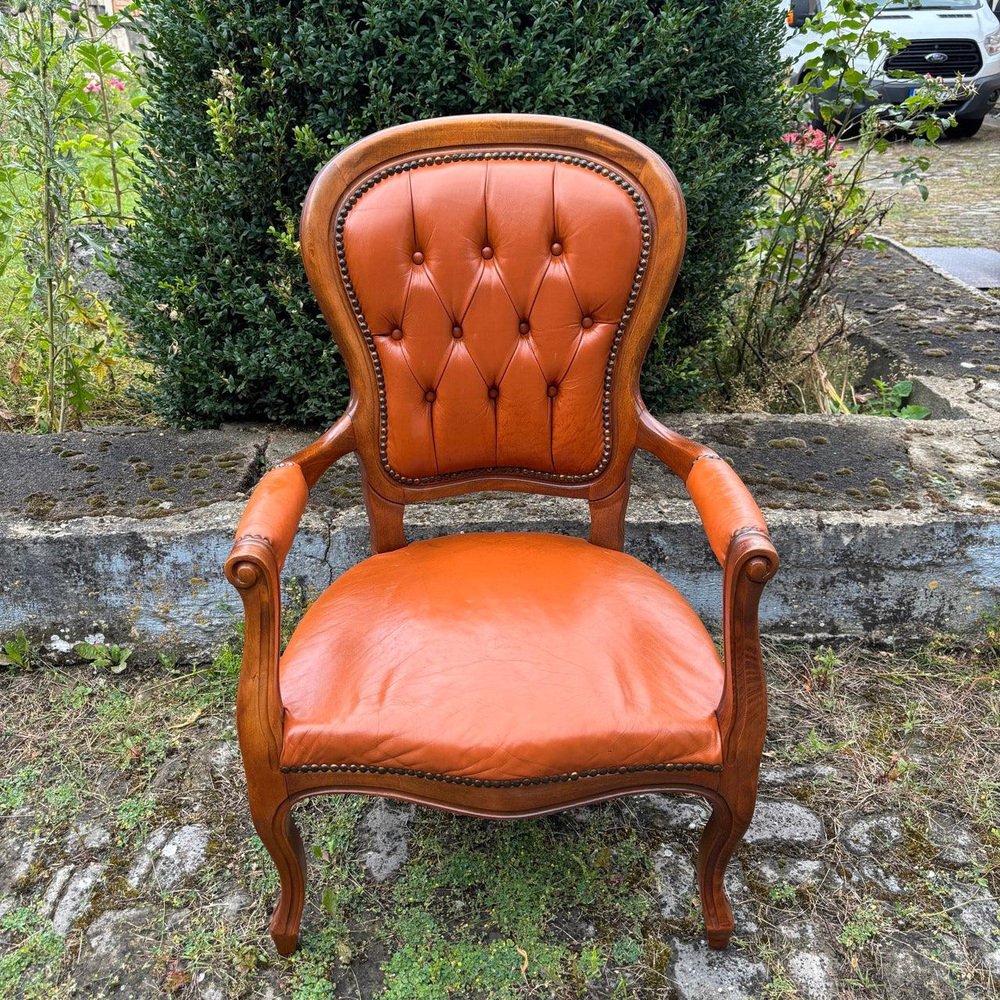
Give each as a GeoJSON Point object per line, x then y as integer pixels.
{"type": "Point", "coordinates": [964, 128]}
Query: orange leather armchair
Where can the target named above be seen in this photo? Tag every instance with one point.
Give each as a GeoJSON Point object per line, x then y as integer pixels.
{"type": "Point", "coordinates": [493, 284]}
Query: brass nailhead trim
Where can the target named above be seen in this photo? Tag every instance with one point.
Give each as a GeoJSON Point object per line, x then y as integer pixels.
{"type": "Point", "coordinates": [451, 779]}
{"type": "Point", "coordinates": [506, 154]}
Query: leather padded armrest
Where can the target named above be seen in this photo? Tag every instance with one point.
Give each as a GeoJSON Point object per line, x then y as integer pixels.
{"type": "Point", "coordinates": [275, 509]}
{"type": "Point", "coordinates": [724, 503]}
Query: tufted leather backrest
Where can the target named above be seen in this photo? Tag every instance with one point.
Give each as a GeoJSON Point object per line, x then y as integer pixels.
{"type": "Point", "coordinates": [492, 288]}
{"type": "Point", "coordinates": [493, 283]}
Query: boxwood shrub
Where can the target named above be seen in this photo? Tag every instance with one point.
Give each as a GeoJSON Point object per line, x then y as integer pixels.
{"type": "Point", "coordinates": [250, 97]}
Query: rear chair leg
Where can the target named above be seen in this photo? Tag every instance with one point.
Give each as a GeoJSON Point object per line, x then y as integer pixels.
{"type": "Point", "coordinates": [722, 835]}
{"type": "Point", "coordinates": [281, 838]}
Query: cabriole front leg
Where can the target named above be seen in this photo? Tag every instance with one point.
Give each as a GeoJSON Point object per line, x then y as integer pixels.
{"type": "Point", "coordinates": [281, 838]}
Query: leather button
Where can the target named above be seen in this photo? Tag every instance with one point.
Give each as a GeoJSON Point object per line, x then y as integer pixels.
{"type": "Point", "coordinates": [523, 327]}
{"type": "Point", "coordinates": [494, 392]}
{"type": "Point", "coordinates": [553, 390]}
{"type": "Point", "coordinates": [456, 332]}
{"type": "Point", "coordinates": [556, 249]}
{"type": "Point", "coordinates": [430, 395]}
{"type": "Point", "coordinates": [586, 322]}
{"type": "Point", "coordinates": [487, 253]}
{"type": "Point", "coordinates": [396, 334]}
{"type": "Point", "coordinates": [418, 257]}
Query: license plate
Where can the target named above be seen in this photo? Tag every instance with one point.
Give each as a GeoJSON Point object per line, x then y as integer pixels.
{"type": "Point", "coordinates": [912, 91]}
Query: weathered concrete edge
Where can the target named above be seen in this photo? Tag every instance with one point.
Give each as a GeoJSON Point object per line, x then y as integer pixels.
{"type": "Point", "coordinates": [158, 587]}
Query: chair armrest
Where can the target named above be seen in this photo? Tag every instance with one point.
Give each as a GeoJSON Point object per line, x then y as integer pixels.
{"type": "Point", "coordinates": [263, 539]}
{"type": "Point", "coordinates": [273, 513]}
{"type": "Point", "coordinates": [738, 535]}
{"type": "Point", "coordinates": [275, 509]}
{"type": "Point", "coordinates": [725, 505]}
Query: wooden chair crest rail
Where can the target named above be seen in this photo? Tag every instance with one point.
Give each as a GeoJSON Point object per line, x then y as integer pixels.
{"type": "Point", "coordinates": [493, 283]}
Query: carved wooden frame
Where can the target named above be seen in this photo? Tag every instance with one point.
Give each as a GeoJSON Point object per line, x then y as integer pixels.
{"type": "Point", "coordinates": [255, 563]}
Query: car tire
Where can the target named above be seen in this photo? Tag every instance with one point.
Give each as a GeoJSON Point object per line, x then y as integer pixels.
{"type": "Point", "coordinates": [964, 128]}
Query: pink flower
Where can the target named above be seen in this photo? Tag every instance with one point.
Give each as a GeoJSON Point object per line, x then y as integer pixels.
{"type": "Point", "coordinates": [93, 84]}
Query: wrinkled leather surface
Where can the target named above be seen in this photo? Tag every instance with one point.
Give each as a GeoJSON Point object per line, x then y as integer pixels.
{"type": "Point", "coordinates": [275, 508]}
{"type": "Point", "coordinates": [500, 656]}
{"type": "Point", "coordinates": [724, 503]}
{"type": "Point", "coordinates": [493, 291]}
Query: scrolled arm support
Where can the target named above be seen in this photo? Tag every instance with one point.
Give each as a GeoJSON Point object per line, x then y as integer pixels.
{"type": "Point", "coordinates": [263, 539]}
{"type": "Point", "coordinates": [737, 533]}
{"type": "Point", "coordinates": [751, 560]}
{"type": "Point", "coordinates": [252, 568]}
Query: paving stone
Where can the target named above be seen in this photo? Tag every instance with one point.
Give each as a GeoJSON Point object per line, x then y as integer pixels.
{"type": "Point", "coordinates": [108, 936]}
{"type": "Point", "coordinates": [875, 879]}
{"type": "Point", "coordinates": [873, 833]}
{"type": "Point", "coordinates": [144, 860]}
{"type": "Point", "coordinates": [991, 959]}
{"type": "Point", "coordinates": [88, 837]}
{"type": "Point", "coordinates": [55, 888]}
{"type": "Point", "coordinates": [383, 830]}
{"type": "Point", "coordinates": [118, 953]}
{"type": "Point", "coordinates": [958, 847]}
{"type": "Point", "coordinates": [182, 855]}
{"type": "Point", "coordinates": [675, 879]}
{"type": "Point", "coordinates": [978, 912]}
{"type": "Point", "coordinates": [170, 857]}
{"type": "Point", "coordinates": [784, 822]}
{"type": "Point", "coordinates": [675, 812]}
{"type": "Point", "coordinates": [776, 777]}
{"type": "Point", "coordinates": [794, 871]}
{"type": "Point", "coordinates": [702, 974]}
{"type": "Point", "coordinates": [69, 893]}
{"type": "Point", "coordinates": [17, 852]}
{"type": "Point", "coordinates": [914, 965]}
{"type": "Point", "coordinates": [813, 973]}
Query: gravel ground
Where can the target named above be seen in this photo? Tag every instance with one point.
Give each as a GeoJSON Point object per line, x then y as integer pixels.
{"type": "Point", "coordinates": [964, 204]}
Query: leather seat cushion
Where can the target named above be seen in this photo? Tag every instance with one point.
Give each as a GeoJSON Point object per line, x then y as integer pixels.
{"type": "Point", "coordinates": [501, 657]}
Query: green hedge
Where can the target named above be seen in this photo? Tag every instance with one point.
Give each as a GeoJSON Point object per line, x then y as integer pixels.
{"type": "Point", "coordinates": [249, 98]}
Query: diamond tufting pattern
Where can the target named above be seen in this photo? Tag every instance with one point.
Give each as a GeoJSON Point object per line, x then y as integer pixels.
{"type": "Point", "coordinates": [492, 289]}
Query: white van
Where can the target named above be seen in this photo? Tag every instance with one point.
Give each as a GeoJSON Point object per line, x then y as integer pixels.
{"type": "Point", "coordinates": [946, 37]}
